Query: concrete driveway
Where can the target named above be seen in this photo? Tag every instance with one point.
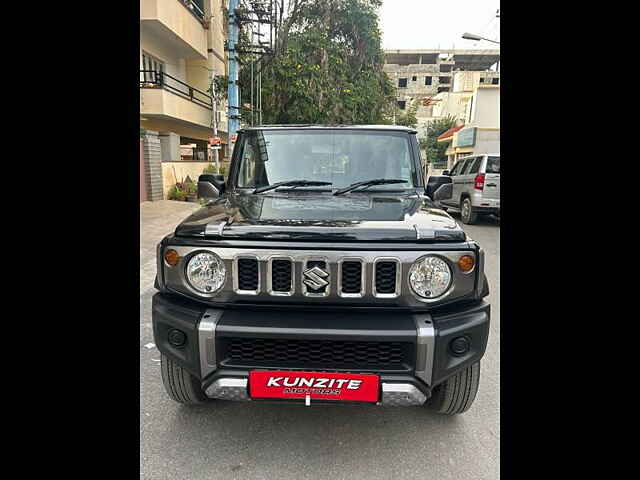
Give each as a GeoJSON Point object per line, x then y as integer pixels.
{"type": "Point", "coordinates": [260, 441]}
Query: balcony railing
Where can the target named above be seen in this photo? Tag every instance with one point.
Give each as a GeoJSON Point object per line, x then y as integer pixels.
{"type": "Point", "coordinates": [157, 79]}
{"type": "Point", "coordinates": [193, 8]}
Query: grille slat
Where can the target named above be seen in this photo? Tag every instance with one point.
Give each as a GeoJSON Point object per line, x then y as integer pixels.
{"type": "Point", "coordinates": [386, 277]}
{"type": "Point", "coordinates": [328, 354]}
{"type": "Point", "coordinates": [248, 274]}
{"type": "Point", "coordinates": [351, 280]}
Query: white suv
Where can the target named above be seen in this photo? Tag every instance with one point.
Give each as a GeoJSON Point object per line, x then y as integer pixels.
{"type": "Point", "coordinates": [476, 186]}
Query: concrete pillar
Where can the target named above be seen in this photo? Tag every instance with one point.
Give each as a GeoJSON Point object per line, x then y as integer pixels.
{"type": "Point", "coordinates": [169, 146]}
{"type": "Point", "coordinates": [152, 165]}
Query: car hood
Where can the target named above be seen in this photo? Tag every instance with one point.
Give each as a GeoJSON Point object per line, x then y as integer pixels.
{"type": "Point", "coordinates": [322, 217]}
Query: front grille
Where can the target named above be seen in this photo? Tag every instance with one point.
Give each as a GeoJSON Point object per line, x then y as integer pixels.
{"type": "Point", "coordinates": [248, 274]}
{"type": "Point", "coordinates": [291, 276]}
{"type": "Point", "coordinates": [386, 277]}
{"type": "Point", "coordinates": [351, 280]}
{"type": "Point", "coordinates": [281, 275]}
{"type": "Point", "coordinates": [325, 354]}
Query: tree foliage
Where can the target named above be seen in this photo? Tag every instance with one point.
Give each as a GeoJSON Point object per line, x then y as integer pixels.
{"type": "Point", "coordinates": [327, 66]}
{"type": "Point", "coordinates": [434, 150]}
{"type": "Point", "coordinates": [408, 118]}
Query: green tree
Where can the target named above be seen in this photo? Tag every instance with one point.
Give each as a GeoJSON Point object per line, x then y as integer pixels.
{"type": "Point", "coordinates": [327, 66]}
{"type": "Point", "coordinates": [434, 150]}
{"type": "Point", "coordinates": [408, 117]}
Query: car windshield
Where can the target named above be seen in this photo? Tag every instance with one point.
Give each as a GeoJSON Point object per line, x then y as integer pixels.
{"type": "Point", "coordinates": [339, 157]}
{"type": "Point", "coordinates": [493, 165]}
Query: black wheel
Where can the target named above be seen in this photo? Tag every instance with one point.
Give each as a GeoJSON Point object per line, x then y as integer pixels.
{"type": "Point", "coordinates": [467, 214]}
{"type": "Point", "coordinates": [180, 384]}
{"type": "Point", "coordinates": [457, 393]}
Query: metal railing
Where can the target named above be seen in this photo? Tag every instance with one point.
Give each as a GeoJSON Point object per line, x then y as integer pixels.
{"type": "Point", "coordinates": [194, 8]}
{"type": "Point", "coordinates": [157, 79]}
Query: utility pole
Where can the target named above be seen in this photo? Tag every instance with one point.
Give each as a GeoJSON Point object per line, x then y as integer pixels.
{"type": "Point", "coordinates": [234, 93]}
{"type": "Point", "coordinates": [212, 82]}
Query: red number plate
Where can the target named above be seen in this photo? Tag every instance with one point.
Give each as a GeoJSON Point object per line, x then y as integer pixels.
{"type": "Point", "coordinates": [327, 386]}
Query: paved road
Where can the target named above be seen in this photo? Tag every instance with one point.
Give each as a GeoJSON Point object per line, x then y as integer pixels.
{"type": "Point", "coordinates": [256, 441]}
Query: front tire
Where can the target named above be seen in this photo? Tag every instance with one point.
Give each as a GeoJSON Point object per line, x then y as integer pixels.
{"type": "Point", "coordinates": [180, 385]}
{"type": "Point", "coordinates": [457, 393]}
{"type": "Point", "coordinates": [467, 214]}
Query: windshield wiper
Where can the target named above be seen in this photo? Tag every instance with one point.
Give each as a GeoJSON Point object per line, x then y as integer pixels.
{"type": "Point", "coordinates": [369, 183]}
{"type": "Point", "coordinates": [291, 183]}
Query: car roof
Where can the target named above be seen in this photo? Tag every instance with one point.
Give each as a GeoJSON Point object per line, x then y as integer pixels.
{"type": "Point", "coordinates": [293, 126]}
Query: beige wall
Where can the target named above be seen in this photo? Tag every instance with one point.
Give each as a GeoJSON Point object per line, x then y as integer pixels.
{"type": "Point", "coordinates": [171, 170]}
{"type": "Point", "coordinates": [174, 65]}
{"type": "Point", "coordinates": [467, 81]}
{"type": "Point", "coordinates": [174, 16]}
{"type": "Point", "coordinates": [216, 36]}
{"type": "Point", "coordinates": [157, 101]}
{"type": "Point", "coordinates": [451, 104]}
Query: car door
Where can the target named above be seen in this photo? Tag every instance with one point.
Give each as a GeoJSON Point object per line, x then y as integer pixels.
{"type": "Point", "coordinates": [492, 178]}
{"type": "Point", "coordinates": [466, 177]}
{"type": "Point", "coordinates": [459, 181]}
{"type": "Point", "coordinates": [454, 171]}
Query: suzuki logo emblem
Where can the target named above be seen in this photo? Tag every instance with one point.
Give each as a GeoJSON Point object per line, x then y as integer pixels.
{"type": "Point", "coordinates": [315, 278]}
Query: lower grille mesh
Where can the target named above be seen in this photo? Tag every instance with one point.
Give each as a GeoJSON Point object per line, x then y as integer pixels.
{"type": "Point", "coordinates": [323, 353]}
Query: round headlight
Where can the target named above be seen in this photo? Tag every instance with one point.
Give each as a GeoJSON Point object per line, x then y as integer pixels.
{"type": "Point", "coordinates": [206, 272]}
{"type": "Point", "coordinates": [430, 277]}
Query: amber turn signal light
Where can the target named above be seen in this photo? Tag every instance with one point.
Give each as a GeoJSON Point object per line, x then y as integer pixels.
{"type": "Point", "coordinates": [171, 257]}
{"type": "Point", "coordinates": [466, 263]}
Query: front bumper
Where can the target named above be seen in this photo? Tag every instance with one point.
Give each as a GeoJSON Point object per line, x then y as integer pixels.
{"type": "Point", "coordinates": [222, 346]}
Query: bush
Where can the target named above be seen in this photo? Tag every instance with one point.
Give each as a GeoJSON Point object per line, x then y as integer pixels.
{"type": "Point", "coordinates": [211, 168]}
{"type": "Point", "coordinates": [177, 194]}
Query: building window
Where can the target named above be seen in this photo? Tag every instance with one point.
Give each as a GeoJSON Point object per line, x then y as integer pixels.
{"type": "Point", "coordinates": [402, 82]}
{"type": "Point", "coordinates": [414, 78]}
{"type": "Point", "coordinates": [151, 65]}
{"type": "Point", "coordinates": [495, 81]}
{"type": "Point", "coordinates": [445, 80]}
{"type": "Point", "coordinates": [427, 80]}
{"type": "Point", "coordinates": [482, 80]}
{"type": "Point", "coordinates": [401, 104]}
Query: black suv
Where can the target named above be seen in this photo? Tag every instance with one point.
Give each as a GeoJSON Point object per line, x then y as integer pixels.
{"type": "Point", "coordinates": [322, 271]}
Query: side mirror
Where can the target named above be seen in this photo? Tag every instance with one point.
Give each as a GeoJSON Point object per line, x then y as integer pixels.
{"type": "Point", "coordinates": [444, 192]}
{"type": "Point", "coordinates": [210, 185]}
{"type": "Point", "coordinates": [446, 172]}
{"type": "Point", "coordinates": [434, 182]}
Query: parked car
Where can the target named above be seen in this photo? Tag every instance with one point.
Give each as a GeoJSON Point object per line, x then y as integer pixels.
{"type": "Point", "coordinates": [320, 271]}
{"type": "Point", "coordinates": [476, 186]}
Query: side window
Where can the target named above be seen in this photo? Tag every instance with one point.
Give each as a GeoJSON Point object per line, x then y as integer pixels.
{"type": "Point", "coordinates": [247, 174]}
{"type": "Point", "coordinates": [474, 166]}
{"type": "Point", "coordinates": [456, 168]}
{"type": "Point", "coordinates": [465, 168]}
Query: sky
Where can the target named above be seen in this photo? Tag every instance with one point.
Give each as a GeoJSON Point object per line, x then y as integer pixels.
{"type": "Point", "coordinates": [414, 24]}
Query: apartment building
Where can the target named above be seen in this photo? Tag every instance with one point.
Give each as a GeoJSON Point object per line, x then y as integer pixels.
{"type": "Point", "coordinates": [422, 77]}
{"type": "Point", "coordinates": [181, 49]}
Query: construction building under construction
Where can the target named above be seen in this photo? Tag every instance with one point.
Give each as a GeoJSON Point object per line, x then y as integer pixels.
{"type": "Point", "coordinates": [420, 75]}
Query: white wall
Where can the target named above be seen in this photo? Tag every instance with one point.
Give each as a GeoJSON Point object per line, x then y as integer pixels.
{"type": "Point", "coordinates": [486, 108]}
{"type": "Point", "coordinates": [487, 141]}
